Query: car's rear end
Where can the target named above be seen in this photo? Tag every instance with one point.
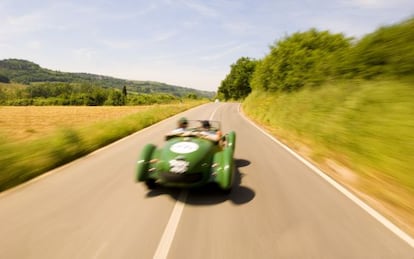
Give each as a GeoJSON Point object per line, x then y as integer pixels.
{"type": "Point", "coordinates": [183, 162]}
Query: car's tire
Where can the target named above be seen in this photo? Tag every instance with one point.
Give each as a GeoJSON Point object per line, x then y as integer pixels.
{"type": "Point", "coordinates": [227, 191]}
{"type": "Point", "coordinates": [143, 162]}
{"type": "Point", "coordinates": [150, 183]}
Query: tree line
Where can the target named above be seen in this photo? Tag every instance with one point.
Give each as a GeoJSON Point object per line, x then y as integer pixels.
{"type": "Point", "coordinates": [314, 57]}
{"type": "Point", "coordinates": [79, 94]}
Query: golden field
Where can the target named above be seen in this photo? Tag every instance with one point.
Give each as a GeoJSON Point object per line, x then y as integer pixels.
{"type": "Point", "coordinates": [35, 139]}
{"type": "Point", "coordinates": [28, 122]}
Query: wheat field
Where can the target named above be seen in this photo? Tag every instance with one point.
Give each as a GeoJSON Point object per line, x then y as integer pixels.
{"type": "Point", "coordinates": [28, 122]}
{"type": "Point", "coordinates": [36, 139]}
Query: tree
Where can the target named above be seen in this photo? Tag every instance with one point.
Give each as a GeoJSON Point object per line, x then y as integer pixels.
{"type": "Point", "coordinates": [305, 58]}
{"type": "Point", "coordinates": [386, 52]}
{"type": "Point", "coordinates": [4, 79]}
{"type": "Point", "coordinates": [115, 98]}
{"type": "Point", "coordinates": [124, 94]}
{"type": "Point", "coordinates": [236, 85]}
{"type": "Point", "coordinates": [192, 96]}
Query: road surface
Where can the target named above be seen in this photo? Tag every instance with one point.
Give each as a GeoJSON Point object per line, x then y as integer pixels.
{"type": "Point", "coordinates": [279, 208]}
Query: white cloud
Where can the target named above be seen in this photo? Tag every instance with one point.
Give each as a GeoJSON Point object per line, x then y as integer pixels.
{"type": "Point", "coordinates": [17, 25]}
{"type": "Point", "coordinates": [31, 22]}
{"type": "Point", "coordinates": [225, 52]}
{"type": "Point", "coordinates": [238, 27]}
{"type": "Point", "coordinates": [190, 24]}
{"type": "Point", "coordinates": [148, 9]}
{"type": "Point", "coordinates": [341, 25]}
{"type": "Point", "coordinates": [119, 44]}
{"type": "Point", "coordinates": [163, 36]}
{"type": "Point", "coordinates": [84, 54]}
{"type": "Point", "coordinates": [200, 8]}
{"type": "Point", "coordinates": [34, 44]}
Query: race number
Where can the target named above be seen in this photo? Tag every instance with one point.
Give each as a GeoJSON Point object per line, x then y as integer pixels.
{"type": "Point", "coordinates": [178, 166]}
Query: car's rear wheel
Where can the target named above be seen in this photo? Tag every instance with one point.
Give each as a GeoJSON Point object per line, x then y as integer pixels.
{"type": "Point", "coordinates": [227, 191]}
{"type": "Point", "coordinates": [150, 183]}
{"type": "Point", "coordinates": [143, 162]}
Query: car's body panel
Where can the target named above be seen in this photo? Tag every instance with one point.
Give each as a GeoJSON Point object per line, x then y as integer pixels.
{"type": "Point", "coordinates": [188, 161]}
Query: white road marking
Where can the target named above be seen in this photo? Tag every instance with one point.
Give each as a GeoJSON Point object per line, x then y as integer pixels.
{"type": "Point", "coordinates": [169, 232]}
{"type": "Point", "coordinates": [100, 250]}
{"type": "Point", "coordinates": [214, 112]}
{"type": "Point", "coordinates": [388, 224]}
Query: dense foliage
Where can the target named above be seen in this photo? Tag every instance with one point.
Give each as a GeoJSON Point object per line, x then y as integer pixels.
{"type": "Point", "coordinates": [236, 85]}
{"type": "Point", "coordinates": [389, 52]}
{"type": "Point", "coordinates": [25, 72]}
{"type": "Point", "coordinates": [316, 57]}
{"type": "Point", "coordinates": [303, 58]}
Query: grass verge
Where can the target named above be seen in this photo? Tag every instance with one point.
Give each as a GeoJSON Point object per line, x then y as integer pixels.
{"type": "Point", "coordinates": [361, 133]}
{"type": "Point", "coordinates": [21, 161]}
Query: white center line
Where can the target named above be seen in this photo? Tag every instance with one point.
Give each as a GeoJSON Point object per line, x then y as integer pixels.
{"type": "Point", "coordinates": [169, 232]}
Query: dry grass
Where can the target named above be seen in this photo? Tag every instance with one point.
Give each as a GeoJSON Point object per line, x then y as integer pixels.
{"type": "Point", "coordinates": [28, 122]}
{"type": "Point", "coordinates": [34, 140]}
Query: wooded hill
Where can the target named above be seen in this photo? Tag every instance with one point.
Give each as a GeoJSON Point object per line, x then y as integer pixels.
{"type": "Point", "coordinates": [26, 72]}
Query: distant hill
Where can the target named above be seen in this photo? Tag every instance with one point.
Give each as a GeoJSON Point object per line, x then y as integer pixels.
{"type": "Point", "coordinates": [26, 72]}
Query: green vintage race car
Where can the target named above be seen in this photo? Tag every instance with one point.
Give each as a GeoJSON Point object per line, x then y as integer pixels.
{"type": "Point", "coordinates": [191, 157]}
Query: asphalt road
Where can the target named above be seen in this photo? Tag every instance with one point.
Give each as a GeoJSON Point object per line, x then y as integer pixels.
{"type": "Point", "coordinates": [279, 208]}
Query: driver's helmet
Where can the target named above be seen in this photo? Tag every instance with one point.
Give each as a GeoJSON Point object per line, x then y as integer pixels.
{"type": "Point", "coordinates": [182, 122]}
{"type": "Point", "coordinates": [205, 124]}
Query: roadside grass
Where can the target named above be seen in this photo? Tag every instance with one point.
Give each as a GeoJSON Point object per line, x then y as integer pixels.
{"type": "Point", "coordinates": [24, 159]}
{"type": "Point", "coordinates": [361, 133]}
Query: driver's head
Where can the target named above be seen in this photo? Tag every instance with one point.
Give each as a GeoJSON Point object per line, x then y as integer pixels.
{"type": "Point", "coordinates": [205, 124]}
{"type": "Point", "coordinates": [183, 122]}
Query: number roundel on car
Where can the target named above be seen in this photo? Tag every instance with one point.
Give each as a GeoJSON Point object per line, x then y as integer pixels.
{"type": "Point", "coordinates": [184, 147]}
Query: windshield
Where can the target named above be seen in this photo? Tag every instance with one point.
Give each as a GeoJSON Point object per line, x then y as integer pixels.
{"type": "Point", "coordinates": [202, 125]}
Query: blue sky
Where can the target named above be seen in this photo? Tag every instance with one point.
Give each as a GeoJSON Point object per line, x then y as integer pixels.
{"type": "Point", "coordinates": [180, 42]}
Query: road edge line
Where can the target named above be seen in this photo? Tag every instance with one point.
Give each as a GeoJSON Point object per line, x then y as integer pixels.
{"type": "Point", "coordinates": [375, 214]}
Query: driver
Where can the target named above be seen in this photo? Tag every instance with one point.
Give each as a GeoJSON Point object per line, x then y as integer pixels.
{"type": "Point", "coordinates": [181, 127]}
{"type": "Point", "coordinates": [208, 133]}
